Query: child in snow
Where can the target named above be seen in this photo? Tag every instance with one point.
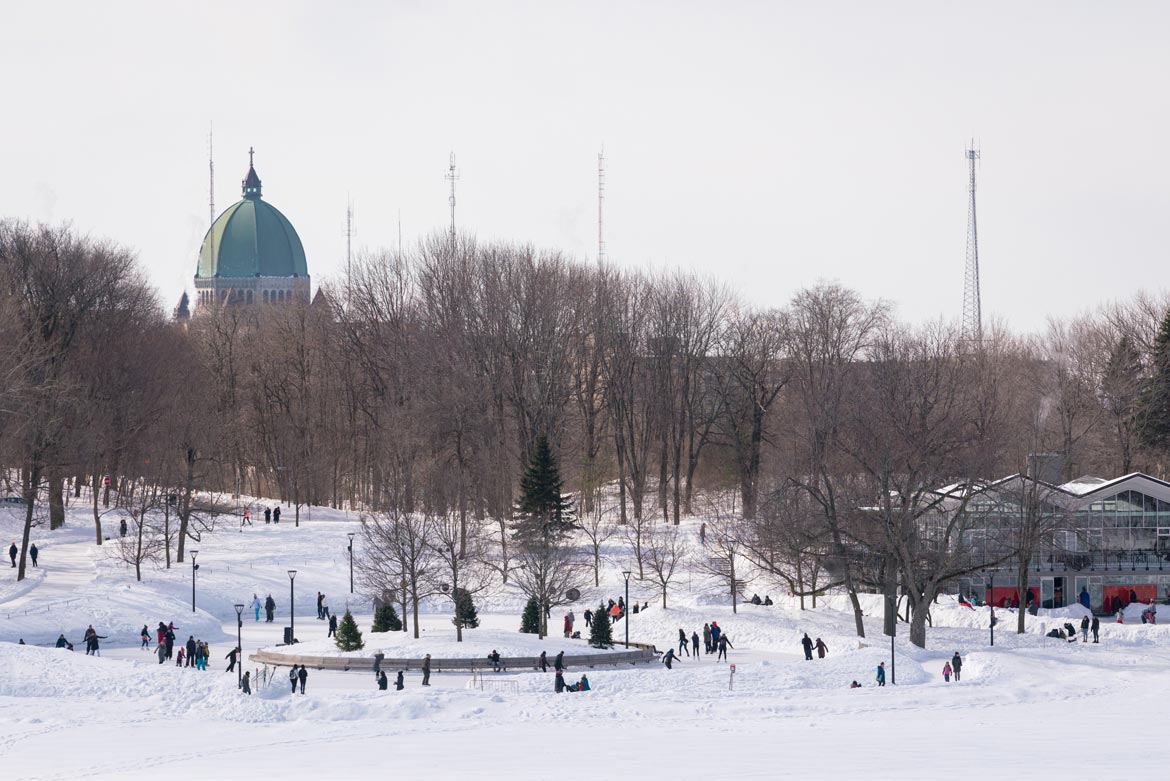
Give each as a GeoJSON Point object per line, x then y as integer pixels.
{"type": "Point", "coordinates": [881, 674]}
{"type": "Point", "coordinates": [947, 672]}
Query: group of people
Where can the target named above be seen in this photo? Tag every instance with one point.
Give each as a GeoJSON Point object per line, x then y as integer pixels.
{"type": "Point", "coordinates": [809, 645]}
{"type": "Point", "coordinates": [767, 600]}
{"type": "Point", "coordinates": [14, 551]}
{"type": "Point", "coordinates": [715, 641]}
{"type": "Point", "coordinates": [953, 667]}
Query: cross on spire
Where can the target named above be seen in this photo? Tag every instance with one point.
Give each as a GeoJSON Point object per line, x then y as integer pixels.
{"type": "Point", "coordinates": [251, 152]}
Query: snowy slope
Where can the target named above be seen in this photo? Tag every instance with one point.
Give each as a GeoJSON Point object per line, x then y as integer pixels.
{"type": "Point", "coordinates": [65, 715]}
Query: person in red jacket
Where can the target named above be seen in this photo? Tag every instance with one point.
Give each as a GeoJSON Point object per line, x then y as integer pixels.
{"type": "Point", "coordinates": [568, 626]}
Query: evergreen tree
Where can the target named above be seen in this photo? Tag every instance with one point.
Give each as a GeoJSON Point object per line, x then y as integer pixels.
{"type": "Point", "coordinates": [465, 612]}
{"type": "Point", "coordinates": [530, 621]}
{"type": "Point", "coordinates": [348, 637]}
{"type": "Point", "coordinates": [386, 619]}
{"type": "Point", "coordinates": [543, 513]}
{"type": "Point", "coordinates": [1154, 407]}
{"type": "Point", "coordinates": [600, 634]}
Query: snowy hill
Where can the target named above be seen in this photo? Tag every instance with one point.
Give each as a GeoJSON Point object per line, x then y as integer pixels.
{"type": "Point", "coordinates": [778, 716]}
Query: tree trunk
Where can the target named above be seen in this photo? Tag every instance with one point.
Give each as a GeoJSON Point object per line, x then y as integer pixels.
{"type": "Point", "coordinates": [97, 517]}
{"type": "Point", "coordinates": [1022, 592]}
{"type": "Point", "coordinates": [56, 500]}
{"type": "Point", "coordinates": [32, 480]}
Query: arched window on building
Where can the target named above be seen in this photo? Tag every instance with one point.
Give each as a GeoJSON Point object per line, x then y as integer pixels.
{"type": "Point", "coordinates": [250, 299]}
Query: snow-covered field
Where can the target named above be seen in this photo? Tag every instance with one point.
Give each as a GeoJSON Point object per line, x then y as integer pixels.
{"type": "Point", "coordinates": [1031, 707]}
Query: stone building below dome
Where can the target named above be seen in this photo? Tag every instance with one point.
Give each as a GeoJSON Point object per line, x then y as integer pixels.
{"type": "Point", "coordinates": [251, 255]}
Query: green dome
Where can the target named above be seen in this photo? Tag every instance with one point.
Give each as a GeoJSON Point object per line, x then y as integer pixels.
{"type": "Point", "coordinates": [251, 239]}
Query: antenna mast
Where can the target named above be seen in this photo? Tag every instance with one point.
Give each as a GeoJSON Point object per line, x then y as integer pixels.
{"type": "Point", "coordinates": [211, 174]}
{"type": "Point", "coordinates": [349, 240]}
{"type": "Point", "coordinates": [601, 257]}
{"type": "Point", "coordinates": [972, 308]}
{"type": "Point", "coordinates": [452, 177]}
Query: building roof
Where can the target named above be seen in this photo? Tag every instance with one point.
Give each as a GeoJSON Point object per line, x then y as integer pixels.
{"type": "Point", "coordinates": [251, 239]}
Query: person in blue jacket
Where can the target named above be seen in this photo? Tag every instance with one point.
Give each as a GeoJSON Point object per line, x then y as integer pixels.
{"type": "Point", "coordinates": [881, 674]}
{"type": "Point", "coordinates": [583, 686]}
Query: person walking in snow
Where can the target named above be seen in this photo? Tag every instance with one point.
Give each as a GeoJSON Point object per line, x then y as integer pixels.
{"type": "Point", "coordinates": [33, 553]}
{"type": "Point", "coordinates": [248, 682]}
{"type": "Point", "coordinates": [231, 657]}
{"type": "Point", "coordinates": [588, 618]}
{"type": "Point", "coordinates": [559, 662]}
{"type": "Point", "coordinates": [382, 681]}
{"type": "Point", "coordinates": [947, 672]}
{"type": "Point", "coordinates": [559, 682]}
{"type": "Point", "coordinates": [256, 606]}
{"type": "Point", "coordinates": [12, 551]}
{"type": "Point", "coordinates": [320, 597]}
{"type": "Point", "coordinates": [568, 626]}
{"type": "Point", "coordinates": [122, 527]}
{"type": "Point", "coordinates": [179, 660]}
{"type": "Point", "coordinates": [724, 644]}
{"type": "Point", "coordinates": [247, 520]}
{"type": "Point", "coordinates": [683, 645]}
{"type": "Point", "coordinates": [695, 643]}
{"type": "Point", "coordinates": [957, 666]}
{"type": "Point", "coordinates": [200, 655]}
{"type": "Point", "coordinates": [572, 621]}
{"type": "Point", "coordinates": [190, 650]}
{"type": "Point", "coordinates": [378, 657]}
{"type": "Point", "coordinates": [822, 649]}
{"type": "Point", "coordinates": [267, 515]}
{"type": "Point", "coordinates": [426, 670]}
{"type": "Point", "coordinates": [544, 660]}
{"type": "Point", "coordinates": [399, 683]}
{"type": "Point", "coordinates": [332, 626]}
{"type": "Point", "coordinates": [292, 678]}
{"type": "Point", "coordinates": [1095, 626]}
{"type": "Point", "coordinates": [269, 609]}
{"type": "Point", "coordinates": [808, 646]}
{"type": "Point", "coordinates": [707, 638]}
{"type": "Point", "coordinates": [881, 674]}
{"type": "Point", "coordinates": [145, 635]}
{"type": "Point", "coordinates": [325, 607]}
{"type": "Point", "coordinates": [303, 676]}
{"type": "Point", "coordinates": [169, 636]}
{"type": "Point", "coordinates": [1084, 629]}
{"type": "Point", "coordinates": [276, 514]}
{"type": "Point", "coordinates": [669, 657]}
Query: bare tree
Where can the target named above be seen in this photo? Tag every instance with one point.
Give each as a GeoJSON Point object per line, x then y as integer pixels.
{"type": "Point", "coordinates": [398, 549]}
{"type": "Point", "coordinates": [460, 550]}
{"type": "Point", "coordinates": [546, 573]}
{"type": "Point", "coordinates": [666, 549]}
{"type": "Point", "coordinates": [598, 527]}
{"type": "Point", "coordinates": [722, 557]}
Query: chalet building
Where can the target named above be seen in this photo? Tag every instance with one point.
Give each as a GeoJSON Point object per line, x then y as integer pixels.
{"type": "Point", "coordinates": [1107, 539]}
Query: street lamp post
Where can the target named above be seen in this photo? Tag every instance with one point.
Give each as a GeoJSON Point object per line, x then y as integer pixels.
{"type": "Point", "coordinates": [991, 600]}
{"type": "Point", "coordinates": [240, 645]}
{"type": "Point", "coordinates": [292, 604]}
{"type": "Point", "coordinates": [626, 572]}
{"type": "Point", "coordinates": [351, 534]}
{"type": "Point", "coordinates": [194, 569]}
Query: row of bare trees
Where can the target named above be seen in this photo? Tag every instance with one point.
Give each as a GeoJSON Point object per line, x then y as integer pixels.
{"type": "Point", "coordinates": [419, 385]}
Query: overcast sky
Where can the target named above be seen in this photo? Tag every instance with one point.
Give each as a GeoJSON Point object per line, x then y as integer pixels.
{"type": "Point", "coordinates": [769, 144]}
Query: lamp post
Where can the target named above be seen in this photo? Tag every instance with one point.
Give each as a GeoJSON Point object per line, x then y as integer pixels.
{"type": "Point", "coordinates": [292, 604]}
{"type": "Point", "coordinates": [194, 569]}
{"type": "Point", "coordinates": [240, 645]}
{"type": "Point", "coordinates": [991, 601]}
{"type": "Point", "coordinates": [626, 572]}
{"type": "Point", "coordinates": [351, 534]}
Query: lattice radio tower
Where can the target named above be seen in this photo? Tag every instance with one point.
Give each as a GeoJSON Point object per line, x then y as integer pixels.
{"type": "Point", "coordinates": [972, 308]}
{"type": "Point", "coordinates": [452, 177]}
{"type": "Point", "coordinates": [211, 174]}
{"type": "Point", "coordinates": [601, 256]}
